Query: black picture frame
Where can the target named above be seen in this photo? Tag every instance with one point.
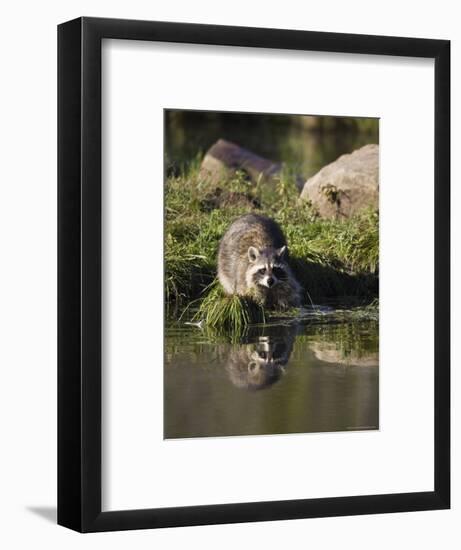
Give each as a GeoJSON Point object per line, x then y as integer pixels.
{"type": "Point", "coordinates": [79, 274]}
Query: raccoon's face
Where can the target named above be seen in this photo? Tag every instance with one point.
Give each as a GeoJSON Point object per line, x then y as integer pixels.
{"type": "Point", "coordinates": [267, 267]}
{"type": "Point", "coordinates": [267, 353]}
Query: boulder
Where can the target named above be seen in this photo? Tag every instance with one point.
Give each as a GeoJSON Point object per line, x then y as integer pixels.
{"type": "Point", "coordinates": [347, 185]}
{"type": "Point", "coordinates": [224, 158]}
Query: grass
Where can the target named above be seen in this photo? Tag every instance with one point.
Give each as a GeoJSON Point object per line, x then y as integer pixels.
{"type": "Point", "coordinates": [330, 258]}
{"type": "Point", "coordinates": [224, 313]}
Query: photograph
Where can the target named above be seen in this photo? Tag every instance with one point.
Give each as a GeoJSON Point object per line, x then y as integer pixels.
{"type": "Point", "coordinates": [271, 273]}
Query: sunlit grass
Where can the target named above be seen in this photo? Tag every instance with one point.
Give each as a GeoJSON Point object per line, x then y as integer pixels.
{"type": "Point", "coordinates": [330, 258]}
{"type": "Point", "coordinates": [231, 313]}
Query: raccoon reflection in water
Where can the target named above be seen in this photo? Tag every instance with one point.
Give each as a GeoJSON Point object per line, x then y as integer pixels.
{"type": "Point", "coordinates": [260, 360]}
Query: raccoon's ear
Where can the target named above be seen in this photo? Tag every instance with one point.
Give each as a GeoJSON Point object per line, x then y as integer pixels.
{"type": "Point", "coordinates": [282, 252]}
{"type": "Point", "coordinates": [253, 254]}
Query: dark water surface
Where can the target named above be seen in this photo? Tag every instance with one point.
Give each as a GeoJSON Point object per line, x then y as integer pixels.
{"type": "Point", "coordinates": [314, 374]}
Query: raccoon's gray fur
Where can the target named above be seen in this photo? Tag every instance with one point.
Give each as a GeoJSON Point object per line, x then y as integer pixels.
{"type": "Point", "coordinates": [253, 261]}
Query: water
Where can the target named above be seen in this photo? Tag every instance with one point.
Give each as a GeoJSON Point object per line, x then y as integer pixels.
{"type": "Point", "coordinates": [315, 374]}
{"type": "Point", "coordinates": [304, 143]}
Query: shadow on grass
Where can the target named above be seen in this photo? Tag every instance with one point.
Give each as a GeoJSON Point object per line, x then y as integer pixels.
{"type": "Point", "coordinates": [323, 281]}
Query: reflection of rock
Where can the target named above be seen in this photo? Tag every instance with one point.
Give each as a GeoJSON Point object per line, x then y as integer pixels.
{"type": "Point", "coordinates": [347, 185]}
{"type": "Point", "coordinates": [328, 352]}
{"type": "Point", "coordinates": [224, 158]}
{"type": "Point", "coordinates": [259, 363]}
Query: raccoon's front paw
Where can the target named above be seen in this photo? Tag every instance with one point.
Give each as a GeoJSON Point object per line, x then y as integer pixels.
{"type": "Point", "coordinates": [257, 297]}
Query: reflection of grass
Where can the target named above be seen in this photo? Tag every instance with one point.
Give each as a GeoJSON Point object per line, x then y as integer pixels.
{"type": "Point", "coordinates": [349, 339]}
{"type": "Point", "coordinates": [330, 258]}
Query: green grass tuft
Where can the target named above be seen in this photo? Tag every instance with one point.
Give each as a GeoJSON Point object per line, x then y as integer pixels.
{"type": "Point", "coordinates": [222, 312]}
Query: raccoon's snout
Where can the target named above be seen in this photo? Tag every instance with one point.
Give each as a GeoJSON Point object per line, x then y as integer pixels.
{"type": "Point", "coordinates": [268, 281]}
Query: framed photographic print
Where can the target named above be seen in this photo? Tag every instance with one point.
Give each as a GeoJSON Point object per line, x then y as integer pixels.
{"type": "Point", "coordinates": [253, 241]}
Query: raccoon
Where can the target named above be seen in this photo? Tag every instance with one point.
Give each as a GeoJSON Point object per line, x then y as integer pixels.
{"type": "Point", "coordinates": [253, 261]}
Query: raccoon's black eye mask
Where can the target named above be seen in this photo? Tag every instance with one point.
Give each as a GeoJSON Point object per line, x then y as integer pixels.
{"type": "Point", "coordinates": [279, 272]}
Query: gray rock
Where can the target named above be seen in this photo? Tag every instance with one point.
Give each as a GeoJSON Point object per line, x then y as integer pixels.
{"type": "Point", "coordinates": [347, 185]}
{"type": "Point", "coordinates": [224, 158]}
